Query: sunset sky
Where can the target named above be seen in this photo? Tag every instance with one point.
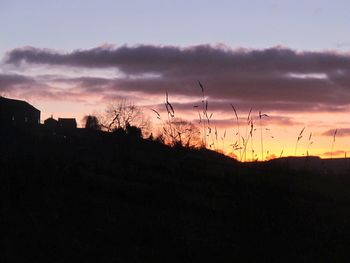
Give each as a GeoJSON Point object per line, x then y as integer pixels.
{"type": "Point", "coordinates": [288, 59]}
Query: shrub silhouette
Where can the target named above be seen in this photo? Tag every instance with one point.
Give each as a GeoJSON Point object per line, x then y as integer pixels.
{"type": "Point", "coordinates": [133, 131]}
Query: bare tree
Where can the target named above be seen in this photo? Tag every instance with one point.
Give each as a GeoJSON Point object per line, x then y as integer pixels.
{"type": "Point", "coordinates": [177, 131]}
{"type": "Point", "coordinates": [123, 114]}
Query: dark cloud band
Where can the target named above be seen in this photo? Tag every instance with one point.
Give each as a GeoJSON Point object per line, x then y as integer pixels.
{"type": "Point", "coordinates": [270, 79]}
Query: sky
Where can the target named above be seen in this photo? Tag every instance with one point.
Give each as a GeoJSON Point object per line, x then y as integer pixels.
{"type": "Point", "coordinates": [287, 59]}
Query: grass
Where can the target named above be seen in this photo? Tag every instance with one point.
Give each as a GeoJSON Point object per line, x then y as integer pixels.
{"type": "Point", "coordinates": [210, 137]}
{"type": "Point", "coordinates": [238, 132]}
{"type": "Point", "coordinates": [261, 116]}
{"type": "Point", "coordinates": [298, 139]}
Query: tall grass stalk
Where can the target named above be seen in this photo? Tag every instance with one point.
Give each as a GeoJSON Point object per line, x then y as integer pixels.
{"type": "Point", "coordinates": [251, 137]}
{"type": "Point", "coordinates": [204, 137]}
{"type": "Point", "coordinates": [246, 140]}
{"type": "Point", "coordinates": [239, 133]}
{"type": "Point", "coordinates": [157, 114]}
{"type": "Point", "coordinates": [171, 114]}
{"type": "Point", "coordinates": [281, 153]}
{"type": "Point", "coordinates": [261, 115]}
{"type": "Point", "coordinates": [333, 141]}
{"type": "Point", "coordinates": [309, 144]}
{"type": "Point", "coordinates": [216, 139]}
{"type": "Point", "coordinates": [247, 136]}
{"type": "Point", "coordinates": [298, 139]}
{"type": "Point", "coordinates": [223, 141]}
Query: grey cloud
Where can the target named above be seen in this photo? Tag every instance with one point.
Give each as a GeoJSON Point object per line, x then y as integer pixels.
{"type": "Point", "coordinates": [12, 81]}
{"type": "Point", "coordinates": [343, 132]}
{"type": "Point", "coordinates": [30, 87]}
{"type": "Point", "coordinates": [270, 79]}
{"type": "Point", "coordinates": [273, 120]}
{"type": "Point", "coordinates": [171, 59]}
{"type": "Point", "coordinates": [282, 95]}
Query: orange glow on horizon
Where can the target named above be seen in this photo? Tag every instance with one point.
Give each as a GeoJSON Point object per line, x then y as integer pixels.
{"type": "Point", "coordinates": [279, 138]}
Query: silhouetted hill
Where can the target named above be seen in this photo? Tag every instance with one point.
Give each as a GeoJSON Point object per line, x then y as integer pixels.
{"type": "Point", "coordinates": [90, 196]}
{"type": "Point", "coordinates": [315, 165]}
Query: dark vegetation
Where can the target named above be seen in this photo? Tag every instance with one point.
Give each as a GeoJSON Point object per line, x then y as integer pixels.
{"type": "Point", "coordinates": [90, 196]}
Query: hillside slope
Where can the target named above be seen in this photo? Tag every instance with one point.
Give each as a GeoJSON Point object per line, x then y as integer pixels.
{"type": "Point", "coordinates": [89, 196]}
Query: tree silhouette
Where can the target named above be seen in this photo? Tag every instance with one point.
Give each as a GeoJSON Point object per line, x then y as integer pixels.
{"type": "Point", "coordinates": [92, 122]}
{"type": "Point", "coordinates": [179, 132]}
{"type": "Point", "coordinates": [124, 114]}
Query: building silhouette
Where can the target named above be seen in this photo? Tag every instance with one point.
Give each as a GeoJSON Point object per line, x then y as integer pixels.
{"type": "Point", "coordinates": [67, 123]}
{"type": "Point", "coordinates": [51, 124]}
{"type": "Point", "coordinates": [18, 113]}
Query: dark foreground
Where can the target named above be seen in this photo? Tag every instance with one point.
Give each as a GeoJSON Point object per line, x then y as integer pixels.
{"type": "Point", "coordinates": [95, 197]}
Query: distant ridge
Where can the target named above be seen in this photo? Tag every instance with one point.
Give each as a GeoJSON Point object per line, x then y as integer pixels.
{"type": "Point", "coordinates": [314, 164]}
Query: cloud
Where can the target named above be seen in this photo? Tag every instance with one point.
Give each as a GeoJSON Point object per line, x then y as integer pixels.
{"type": "Point", "coordinates": [335, 153]}
{"type": "Point", "coordinates": [273, 79]}
{"type": "Point", "coordinates": [343, 132]}
{"type": "Point", "coordinates": [13, 81]}
{"type": "Point", "coordinates": [343, 44]}
{"type": "Point", "coordinates": [275, 120]}
{"type": "Point", "coordinates": [170, 59]}
{"type": "Point", "coordinates": [15, 85]}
